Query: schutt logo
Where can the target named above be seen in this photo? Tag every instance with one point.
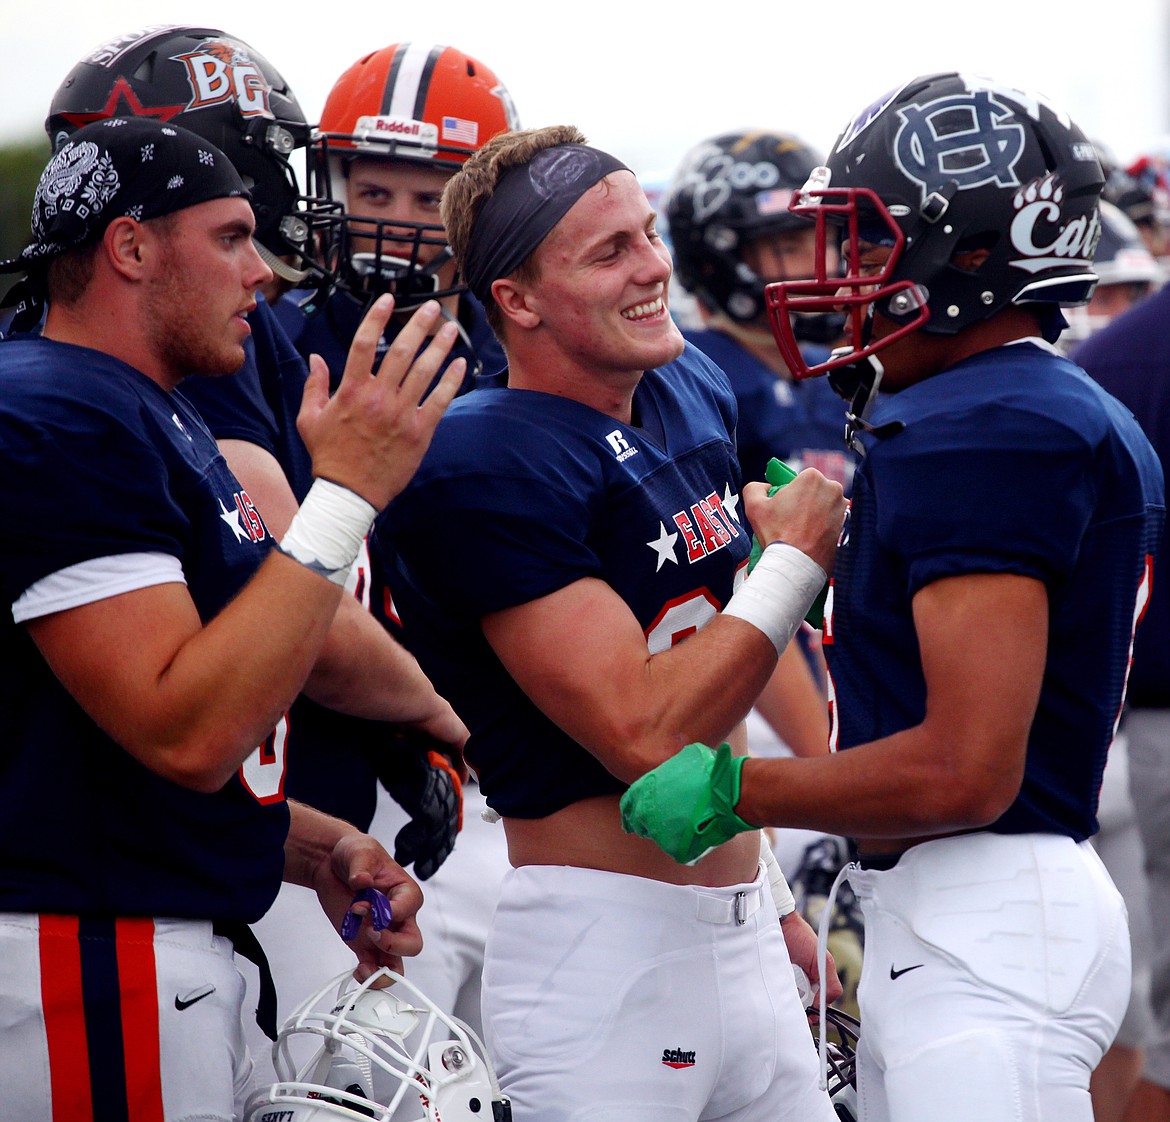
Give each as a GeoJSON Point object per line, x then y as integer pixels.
{"type": "Point", "coordinates": [676, 1057]}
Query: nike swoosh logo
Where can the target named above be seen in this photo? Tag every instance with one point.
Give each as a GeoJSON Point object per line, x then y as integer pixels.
{"type": "Point", "coordinates": [895, 974]}
{"type": "Point", "coordinates": [188, 1000]}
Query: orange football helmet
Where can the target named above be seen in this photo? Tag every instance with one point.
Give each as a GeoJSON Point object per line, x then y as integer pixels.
{"type": "Point", "coordinates": [407, 103]}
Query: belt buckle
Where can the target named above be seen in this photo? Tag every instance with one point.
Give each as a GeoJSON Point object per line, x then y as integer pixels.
{"type": "Point", "coordinates": [740, 909]}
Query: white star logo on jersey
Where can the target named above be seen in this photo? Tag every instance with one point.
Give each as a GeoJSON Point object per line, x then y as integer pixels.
{"type": "Point", "coordinates": [731, 502]}
{"type": "Point", "coordinates": [232, 518]}
{"type": "Point", "coordinates": [664, 546]}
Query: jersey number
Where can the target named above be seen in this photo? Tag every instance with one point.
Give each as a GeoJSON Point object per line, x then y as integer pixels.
{"type": "Point", "coordinates": [263, 771]}
{"type": "Point", "coordinates": [685, 615]}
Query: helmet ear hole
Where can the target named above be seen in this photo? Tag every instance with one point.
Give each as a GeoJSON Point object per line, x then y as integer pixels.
{"type": "Point", "coordinates": [969, 260]}
{"type": "Point", "coordinates": [145, 72]}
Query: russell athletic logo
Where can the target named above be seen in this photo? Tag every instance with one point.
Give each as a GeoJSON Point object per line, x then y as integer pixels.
{"type": "Point", "coordinates": [676, 1057]}
{"type": "Point", "coordinates": [622, 449]}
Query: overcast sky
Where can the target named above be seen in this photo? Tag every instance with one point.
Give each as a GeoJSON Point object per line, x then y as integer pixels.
{"type": "Point", "coordinates": [647, 81]}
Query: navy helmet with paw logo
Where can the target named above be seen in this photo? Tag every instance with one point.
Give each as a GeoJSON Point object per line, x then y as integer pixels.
{"type": "Point", "coordinates": [986, 195]}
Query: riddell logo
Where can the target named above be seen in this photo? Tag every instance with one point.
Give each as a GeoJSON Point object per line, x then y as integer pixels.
{"type": "Point", "coordinates": [397, 125]}
{"type": "Point", "coordinates": [377, 132]}
{"type": "Point", "coordinates": [676, 1058]}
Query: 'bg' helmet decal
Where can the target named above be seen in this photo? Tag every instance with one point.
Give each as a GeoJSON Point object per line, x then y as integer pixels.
{"type": "Point", "coordinates": [222, 72]}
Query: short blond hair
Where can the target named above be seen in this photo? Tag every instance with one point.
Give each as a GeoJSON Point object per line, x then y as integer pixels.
{"type": "Point", "coordinates": [473, 184]}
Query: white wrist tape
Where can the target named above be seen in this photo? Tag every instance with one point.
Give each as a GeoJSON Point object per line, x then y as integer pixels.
{"type": "Point", "coordinates": [328, 530]}
{"type": "Point", "coordinates": [778, 592]}
{"type": "Point", "coordinates": [781, 893]}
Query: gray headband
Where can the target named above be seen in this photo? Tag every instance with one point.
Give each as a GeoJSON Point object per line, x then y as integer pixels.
{"type": "Point", "coordinates": [528, 201]}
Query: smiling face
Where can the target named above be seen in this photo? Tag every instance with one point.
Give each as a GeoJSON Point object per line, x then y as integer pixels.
{"type": "Point", "coordinates": [601, 296]}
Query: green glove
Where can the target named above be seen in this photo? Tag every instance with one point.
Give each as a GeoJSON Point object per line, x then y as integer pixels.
{"type": "Point", "coordinates": [777, 473]}
{"type": "Point", "coordinates": [687, 804]}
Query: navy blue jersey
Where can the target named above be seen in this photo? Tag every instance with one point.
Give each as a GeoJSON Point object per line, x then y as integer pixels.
{"type": "Point", "coordinates": [333, 758]}
{"type": "Point", "coordinates": [1131, 359]}
{"type": "Point", "coordinates": [521, 494]}
{"type": "Point", "coordinates": [259, 403]}
{"type": "Point", "coordinates": [1012, 461]}
{"type": "Point", "coordinates": [330, 764]}
{"type": "Point", "coordinates": [108, 463]}
{"type": "Point", "coordinates": [329, 332]}
{"type": "Point", "coordinates": [801, 423]}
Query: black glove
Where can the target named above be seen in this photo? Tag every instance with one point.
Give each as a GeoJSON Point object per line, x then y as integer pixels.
{"type": "Point", "coordinates": [422, 779]}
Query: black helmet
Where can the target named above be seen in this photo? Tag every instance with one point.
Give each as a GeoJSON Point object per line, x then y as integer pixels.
{"type": "Point", "coordinates": [727, 191]}
{"type": "Point", "coordinates": [941, 165]}
{"type": "Point", "coordinates": [218, 87]}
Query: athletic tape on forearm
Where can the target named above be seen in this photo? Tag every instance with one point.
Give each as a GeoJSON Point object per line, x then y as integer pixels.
{"type": "Point", "coordinates": [781, 893]}
{"type": "Point", "coordinates": [776, 595]}
{"type": "Point", "coordinates": [328, 530]}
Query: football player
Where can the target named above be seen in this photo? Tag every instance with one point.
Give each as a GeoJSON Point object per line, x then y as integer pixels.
{"type": "Point", "coordinates": [993, 565]}
{"type": "Point", "coordinates": [569, 595]}
{"type": "Point", "coordinates": [732, 234]}
{"type": "Point", "coordinates": [1126, 273]}
{"type": "Point", "coordinates": [221, 88]}
{"type": "Point", "coordinates": [1142, 190]}
{"type": "Point", "coordinates": [1131, 359]}
{"type": "Point", "coordinates": [396, 125]}
{"type": "Point", "coordinates": [159, 632]}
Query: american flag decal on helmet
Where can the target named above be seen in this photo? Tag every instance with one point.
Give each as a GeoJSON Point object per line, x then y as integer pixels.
{"type": "Point", "coordinates": [460, 130]}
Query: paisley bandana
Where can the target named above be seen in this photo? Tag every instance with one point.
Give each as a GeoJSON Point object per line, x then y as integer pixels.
{"type": "Point", "coordinates": [124, 166]}
{"type": "Point", "coordinates": [528, 201]}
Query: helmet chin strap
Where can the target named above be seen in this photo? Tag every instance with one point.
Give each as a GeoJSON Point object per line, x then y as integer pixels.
{"type": "Point", "coordinates": [859, 383]}
{"type": "Point", "coordinates": [475, 365]}
{"type": "Point", "coordinates": [279, 266]}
